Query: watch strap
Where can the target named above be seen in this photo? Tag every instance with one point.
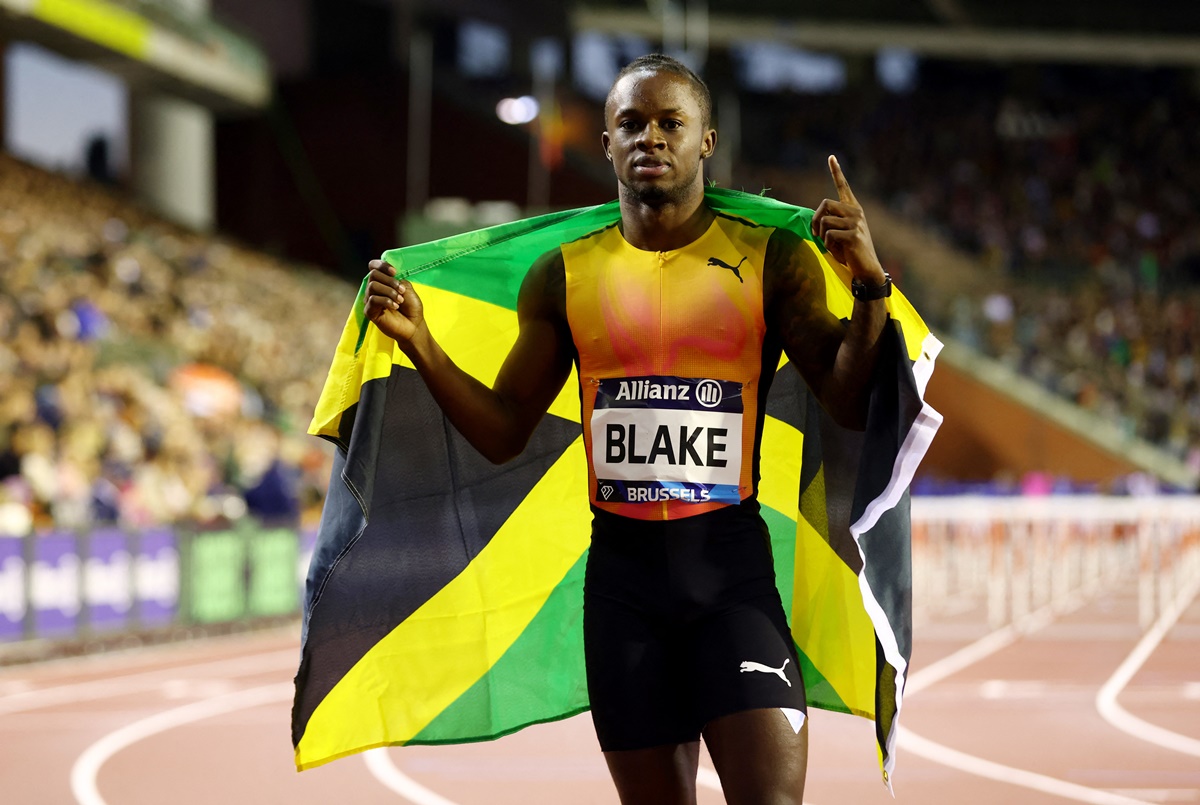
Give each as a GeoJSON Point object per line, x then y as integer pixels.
{"type": "Point", "coordinates": [868, 293]}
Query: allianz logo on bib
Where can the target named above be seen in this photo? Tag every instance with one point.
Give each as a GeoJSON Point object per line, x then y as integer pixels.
{"type": "Point", "coordinates": [707, 392]}
{"type": "Point", "coordinates": [649, 390]}
{"type": "Point", "coordinates": [665, 392]}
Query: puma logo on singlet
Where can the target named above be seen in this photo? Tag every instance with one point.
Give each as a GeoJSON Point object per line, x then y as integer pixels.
{"type": "Point", "coordinates": [766, 669]}
{"type": "Point", "coordinates": [716, 261]}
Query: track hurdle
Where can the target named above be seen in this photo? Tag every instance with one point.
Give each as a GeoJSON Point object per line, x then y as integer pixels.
{"type": "Point", "coordinates": [1016, 555]}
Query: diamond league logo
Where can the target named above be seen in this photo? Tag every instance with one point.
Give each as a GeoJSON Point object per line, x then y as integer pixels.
{"type": "Point", "coordinates": [708, 393]}
{"type": "Point", "coordinates": [606, 491]}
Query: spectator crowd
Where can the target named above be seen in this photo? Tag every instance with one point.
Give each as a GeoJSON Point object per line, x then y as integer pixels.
{"type": "Point", "coordinates": [148, 374]}
{"type": "Point", "coordinates": [1075, 190]}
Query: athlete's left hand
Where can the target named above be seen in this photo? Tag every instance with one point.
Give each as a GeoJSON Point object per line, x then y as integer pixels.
{"type": "Point", "coordinates": [842, 226]}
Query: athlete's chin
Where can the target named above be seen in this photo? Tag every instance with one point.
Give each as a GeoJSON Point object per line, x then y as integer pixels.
{"type": "Point", "coordinates": [652, 194]}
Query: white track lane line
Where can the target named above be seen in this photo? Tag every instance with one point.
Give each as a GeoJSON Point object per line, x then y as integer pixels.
{"type": "Point", "coordinates": [87, 766]}
{"type": "Point", "coordinates": [972, 653]}
{"type": "Point", "coordinates": [984, 647]}
{"type": "Point", "coordinates": [379, 763]}
{"type": "Point", "coordinates": [1106, 699]}
{"type": "Point", "coordinates": [383, 768]}
{"type": "Point", "coordinates": [1007, 774]}
{"type": "Point", "coordinates": [132, 683]}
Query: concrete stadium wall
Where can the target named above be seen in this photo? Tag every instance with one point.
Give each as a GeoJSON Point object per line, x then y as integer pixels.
{"type": "Point", "coordinates": [988, 434]}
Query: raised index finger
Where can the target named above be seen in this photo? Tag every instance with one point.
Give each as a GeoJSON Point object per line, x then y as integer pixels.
{"type": "Point", "coordinates": [839, 179]}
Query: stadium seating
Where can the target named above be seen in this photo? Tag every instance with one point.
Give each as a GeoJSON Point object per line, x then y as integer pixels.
{"type": "Point", "coordinates": [148, 374]}
{"type": "Point", "coordinates": [1069, 193]}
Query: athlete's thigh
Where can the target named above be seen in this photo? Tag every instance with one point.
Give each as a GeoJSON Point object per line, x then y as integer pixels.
{"type": "Point", "coordinates": [744, 658]}
{"type": "Point", "coordinates": [760, 758]}
{"type": "Point", "coordinates": [637, 679]}
{"type": "Point", "coordinates": [660, 775]}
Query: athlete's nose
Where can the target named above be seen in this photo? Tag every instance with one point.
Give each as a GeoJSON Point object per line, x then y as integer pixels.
{"type": "Point", "coordinates": [651, 138]}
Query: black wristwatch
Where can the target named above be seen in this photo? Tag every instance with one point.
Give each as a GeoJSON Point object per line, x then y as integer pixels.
{"type": "Point", "coordinates": [868, 293]}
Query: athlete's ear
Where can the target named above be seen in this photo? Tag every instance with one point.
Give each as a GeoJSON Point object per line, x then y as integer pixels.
{"type": "Point", "coordinates": [604, 141]}
{"type": "Point", "coordinates": [709, 145]}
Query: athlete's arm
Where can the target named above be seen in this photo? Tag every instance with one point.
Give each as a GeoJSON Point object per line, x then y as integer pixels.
{"type": "Point", "coordinates": [497, 421]}
{"type": "Point", "coordinates": [835, 360]}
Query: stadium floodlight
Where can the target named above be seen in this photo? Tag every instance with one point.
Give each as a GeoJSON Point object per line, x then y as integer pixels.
{"type": "Point", "coordinates": [516, 111]}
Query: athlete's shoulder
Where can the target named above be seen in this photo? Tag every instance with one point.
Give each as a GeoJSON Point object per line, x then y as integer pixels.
{"type": "Point", "coordinates": [786, 243]}
{"type": "Point", "coordinates": [745, 233]}
{"type": "Point", "coordinates": [788, 250]}
{"type": "Point", "coordinates": [792, 270]}
{"type": "Point", "coordinates": [589, 239]}
{"type": "Point", "coordinates": [547, 261]}
{"type": "Point", "coordinates": [728, 218]}
{"type": "Point", "coordinates": [543, 291]}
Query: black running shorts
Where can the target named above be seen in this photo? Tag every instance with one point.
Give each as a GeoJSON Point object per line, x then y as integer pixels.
{"type": "Point", "coordinates": [682, 625]}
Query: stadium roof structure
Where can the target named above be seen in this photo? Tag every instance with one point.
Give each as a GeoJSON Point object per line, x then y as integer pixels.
{"type": "Point", "coordinates": [150, 45]}
{"type": "Point", "coordinates": [1091, 31]}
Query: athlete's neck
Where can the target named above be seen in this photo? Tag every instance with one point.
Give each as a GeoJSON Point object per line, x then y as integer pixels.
{"type": "Point", "coordinates": [664, 227]}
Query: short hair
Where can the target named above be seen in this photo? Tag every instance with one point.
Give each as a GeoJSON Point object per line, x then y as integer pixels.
{"type": "Point", "coordinates": [662, 63]}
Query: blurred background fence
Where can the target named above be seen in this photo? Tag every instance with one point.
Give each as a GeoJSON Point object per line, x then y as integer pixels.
{"type": "Point", "coordinates": [1010, 557]}
{"type": "Point", "coordinates": [63, 591]}
{"type": "Point", "coordinates": [1014, 556]}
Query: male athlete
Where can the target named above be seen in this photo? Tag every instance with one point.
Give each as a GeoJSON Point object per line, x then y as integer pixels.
{"type": "Point", "coordinates": [675, 318]}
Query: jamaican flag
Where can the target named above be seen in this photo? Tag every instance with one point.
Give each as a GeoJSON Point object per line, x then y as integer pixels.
{"type": "Point", "coordinates": [444, 600]}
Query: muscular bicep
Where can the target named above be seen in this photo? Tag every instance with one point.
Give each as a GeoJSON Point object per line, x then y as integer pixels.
{"type": "Point", "coordinates": [796, 309]}
{"type": "Point", "coordinates": [539, 362]}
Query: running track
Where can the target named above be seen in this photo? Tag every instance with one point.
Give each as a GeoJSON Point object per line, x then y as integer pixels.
{"type": "Point", "coordinates": [991, 717]}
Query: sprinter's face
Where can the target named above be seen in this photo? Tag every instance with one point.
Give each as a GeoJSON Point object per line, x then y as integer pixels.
{"type": "Point", "coordinates": [656, 137]}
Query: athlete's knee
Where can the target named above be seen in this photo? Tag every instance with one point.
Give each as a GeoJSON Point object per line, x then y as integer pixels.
{"type": "Point", "coordinates": [783, 787]}
{"type": "Point", "coordinates": [776, 798]}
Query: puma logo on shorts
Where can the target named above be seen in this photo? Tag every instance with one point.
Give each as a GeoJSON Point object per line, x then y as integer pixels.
{"type": "Point", "coordinates": [748, 666]}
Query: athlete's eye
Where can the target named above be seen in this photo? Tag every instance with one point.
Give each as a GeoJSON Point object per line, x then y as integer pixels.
{"type": "Point", "coordinates": [672, 125]}
{"type": "Point", "coordinates": [628, 125]}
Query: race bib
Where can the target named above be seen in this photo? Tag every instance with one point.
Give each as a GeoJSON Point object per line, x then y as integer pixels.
{"type": "Point", "coordinates": [667, 438]}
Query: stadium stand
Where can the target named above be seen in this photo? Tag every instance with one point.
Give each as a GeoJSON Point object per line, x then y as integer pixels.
{"type": "Point", "coordinates": [148, 374]}
{"type": "Point", "coordinates": [1069, 194]}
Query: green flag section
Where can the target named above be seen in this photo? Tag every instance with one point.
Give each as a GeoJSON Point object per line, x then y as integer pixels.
{"type": "Point", "coordinates": [444, 599]}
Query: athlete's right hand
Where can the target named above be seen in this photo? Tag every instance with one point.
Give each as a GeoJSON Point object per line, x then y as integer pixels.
{"type": "Point", "coordinates": [393, 304]}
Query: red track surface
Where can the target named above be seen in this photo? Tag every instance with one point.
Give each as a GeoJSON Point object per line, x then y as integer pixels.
{"type": "Point", "coordinates": [1029, 706]}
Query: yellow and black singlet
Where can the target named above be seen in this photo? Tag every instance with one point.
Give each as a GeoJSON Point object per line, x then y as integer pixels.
{"type": "Point", "coordinates": [670, 348]}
